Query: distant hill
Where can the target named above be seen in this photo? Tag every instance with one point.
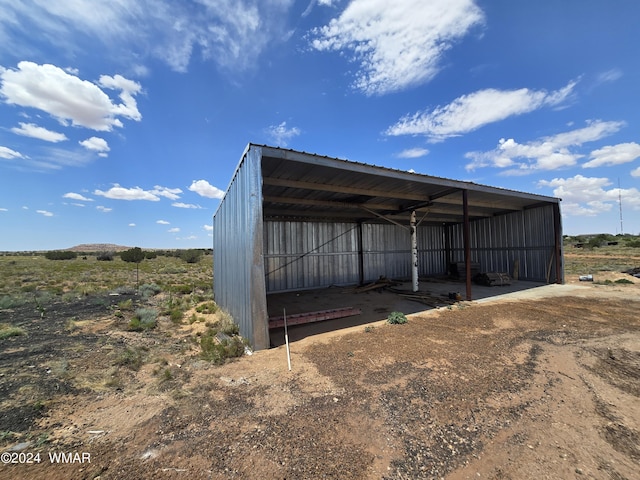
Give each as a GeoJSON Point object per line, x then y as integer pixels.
{"type": "Point", "coordinates": [98, 247]}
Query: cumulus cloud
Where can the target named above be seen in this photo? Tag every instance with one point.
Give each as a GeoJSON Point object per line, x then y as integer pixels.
{"type": "Point", "coordinates": [588, 196]}
{"type": "Point", "coordinates": [103, 209]}
{"type": "Point", "coordinates": [34, 131]}
{"type": "Point", "coordinates": [9, 154]}
{"type": "Point", "coordinates": [173, 230]}
{"type": "Point", "coordinates": [614, 155]}
{"type": "Point", "coordinates": [413, 153]}
{"type": "Point", "coordinates": [546, 153]}
{"type": "Point", "coordinates": [205, 189]}
{"type": "Point", "coordinates": [96, 144]}
{"type": "Point", "coordinates": [170, 193]}
{"type": "Point", "coordinates": [162, 222]}
{"type": "Point", "coordinates": [45, 213]}
{"type": "Point", "coordinates": [208, 228]}
{"type": "Point", "coordinates": [470, 112]}
{"type": "Point", "coordinates": [635, 172]}
{"type": "Point", "coordinates": [77, 196]}
{"type": "Point", "coordinates": [398, 44]}
{"type": "Point", "coordinates": [185, 205]}
{"type": "Point", "coordinates": [68, 98]}
{"type": "Point", "coordinates": [231, 33]}
{"type": "Point", "coordinates": [121, 193]}
{"type": "Point", "coordinates": [281, 135]}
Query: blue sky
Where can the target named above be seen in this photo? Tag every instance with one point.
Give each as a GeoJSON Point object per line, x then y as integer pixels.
{"type": "Point", "coordinates": [122, 121]}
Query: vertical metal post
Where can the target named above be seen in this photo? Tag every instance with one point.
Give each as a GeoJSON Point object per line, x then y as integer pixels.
{"type": "Point", "coordinates": [466, 239]}
{"type": "Point", "coordinates": [414, 252]}
{"type": "Point", "coordinates": [557, 234]}
{"type": "Point", "coordinates": [360, 253]}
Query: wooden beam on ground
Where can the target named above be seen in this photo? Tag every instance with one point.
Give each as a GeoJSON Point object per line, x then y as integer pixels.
{"type": "Point", "coordinates": [310, 317]}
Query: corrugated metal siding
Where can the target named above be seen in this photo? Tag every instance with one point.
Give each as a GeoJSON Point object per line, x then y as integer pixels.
{"type": "Point", "coordinates": [387, 251]}
{"type": "Point", "coordinates": [238, 269]}
{"type": "Point", "coordinates": [303, 255]}
{"type": "Point", "coordinates": [497, 243]}
{"type": "Point", "coordinates": [431, 251]}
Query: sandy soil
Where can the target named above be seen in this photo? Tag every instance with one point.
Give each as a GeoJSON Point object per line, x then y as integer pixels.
{"type": "Point", "coordinates": [511, 389]}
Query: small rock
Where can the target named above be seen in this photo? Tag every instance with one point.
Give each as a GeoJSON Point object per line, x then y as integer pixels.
{"type": "Point", "coordinates": [579, 471]}
{"type": "Point", "coordinates": [20, 446]}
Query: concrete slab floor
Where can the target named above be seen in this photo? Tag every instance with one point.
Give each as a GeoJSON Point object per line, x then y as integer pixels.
{"type": "Point", "coordinates": [376, 305]}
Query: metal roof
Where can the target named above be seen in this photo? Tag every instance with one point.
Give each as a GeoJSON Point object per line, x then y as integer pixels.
{"type": "Point", "coordinates": [305, 186]}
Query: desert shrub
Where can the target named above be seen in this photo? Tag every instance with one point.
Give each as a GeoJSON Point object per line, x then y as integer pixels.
{"type": "Point", "coordinates": [634, 244]}
{"type": "Point", "coordinates": [149, 290]}
{"type": "Point", "coordinates": [182, 289]}
{"type": "Point", "coordinates": [105, 257]}
{"type": "Point", "coordinates": [209, 307]}
{"type": "Point", "coordinates": [217, 350]}
{"type": "Point", "coordinates": [144, 319]}
{"type": "Point", "coordinates": [150, 255]}
{"type": "Point", "coordinates": [10, 301]}
{"type": "Point", "coordinates": [396, 318]}
{"type": "Point", "coordinates": [226, 325]}
{"type": "Point", "coordinates": [125, 304]}
{"type": "Point", "coordinates": [191, 256]}
{"type": "Point", "coordinates": [60, 255]}
{"type": "Point", "coordinates": [133, 255]}
{"type": "Point", "coordinates": [624, 281]}
{"type": "Point", "coordinates": [131, 358]}
{"type": "Point", "coordinates": [7, 331]}
{"type": "Point", "coordinates": [176, 315]}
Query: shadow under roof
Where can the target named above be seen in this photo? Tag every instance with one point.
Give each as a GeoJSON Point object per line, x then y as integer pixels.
{"type": "Point", "coordinates": [303, 186]}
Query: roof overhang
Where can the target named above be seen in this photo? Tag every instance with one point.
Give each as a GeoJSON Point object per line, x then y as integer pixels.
{"type": "Point", "coordinates": [303, 186]}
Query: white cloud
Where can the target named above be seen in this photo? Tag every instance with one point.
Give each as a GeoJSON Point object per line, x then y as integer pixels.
{"type": "Point", "coordinates": [185, 205]}
{"type": "Point", "coordinates": [96, 144]}
{"type": "Point", "coordinates": [77, 196]}
{"type": "Point", "coordinates": [132, 225]}
{"type": "Point", "coordinates": [281, 135]}
{"type": "Point", "coordinates": [398, 44]}
{"type": "Point", "coordinates": [170, 193]}
{"type": "Point", "coordinates": [6, 152]}
{"type": "Point", "coordinates": [470, 112]}
{"type": "Point", "coordinates": [208, 228]}
{"type": "Point", "coordinates": [173, 230]}
{"type": "Point", "coordinates": [609, 76]}
{"type": "Point", "coordinates": [162, 222]}
{"type": "Point", "coordinates": [67, 97]}
{"type": "Point", "coordinates": [588, 196]}
{"type": "Point", "coordinates": [413, 153]}
{"type": "Point", "coordinates": [120, 193]}
{"type": "Point", "coordinates": [635, 172]}
{"type": "Point", "coordinates": [103, 209]}
{"type": "Point", "coordinates": [45, 213]}
{"type": "Point", "coordinates": [3, 210]}
{"type": "Point", "coordinates": [205, 189]}
{"type": "Point", "coordinates": [614, 155]}
{"type": "Point", "coordinates": [232, 33]}
{"type": "Point", "coordinates": [546, 153]}
{"type": "Point", "coordinates": [34, 131]}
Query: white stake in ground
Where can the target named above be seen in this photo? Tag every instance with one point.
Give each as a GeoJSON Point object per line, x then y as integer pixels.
{"type": "Point", "coordinates": [286, 337]}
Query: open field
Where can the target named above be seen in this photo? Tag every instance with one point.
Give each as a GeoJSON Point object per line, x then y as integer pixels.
{"type": "Point", "coordinates": [545, 387]}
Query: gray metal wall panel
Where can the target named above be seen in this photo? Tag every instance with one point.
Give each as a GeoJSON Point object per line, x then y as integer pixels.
{"type": "Point", "coordinates": [431, 251]}
{"type": "Point", "coordinates": [499, 243]}
{"type": "Point", "coordinates": [387, 251]}
{"type": "Point", "coordinates": [304, 255]}
{"type": "Point", "coordinates": [238, 269]}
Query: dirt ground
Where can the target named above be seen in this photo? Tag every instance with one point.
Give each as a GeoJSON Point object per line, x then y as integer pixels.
{"type": "Point", "coordinates": [537, 388]}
